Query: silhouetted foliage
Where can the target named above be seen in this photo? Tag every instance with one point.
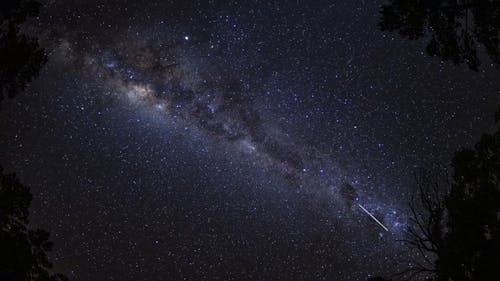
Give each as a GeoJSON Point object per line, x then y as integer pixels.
{"type": "Point", "coordinates": [21, 57]}
{"type": "Point", "coordinates": [455, 28]}
{"type": "Point", "coordinates": [23, 254]}
{"type": "Point", "coordinates": [458, 235]}
{"type": "Point", "coordinates": [23, 251]}
{"type": "Point", "coordinates": [473, 236]}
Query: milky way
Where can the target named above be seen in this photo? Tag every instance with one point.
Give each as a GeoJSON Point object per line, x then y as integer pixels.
{"type": "Point", "coordinates": [198, 140]}
{"type": "Point", "coordinates": [181, 86]}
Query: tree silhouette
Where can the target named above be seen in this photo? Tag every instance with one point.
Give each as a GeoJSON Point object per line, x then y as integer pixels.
{"type": "Point", "coordinates": [24, 250]}
{"type": "Point", "coordinates": [21, 57]}
{"type": "Point", "coordinates": [473, 236]}
{"type": "Point", "coordinates": [455, 28]}
{"type": "Point", "coordinates": [458, 234]}
{"type": "Point", "coordinates": [425, 232]}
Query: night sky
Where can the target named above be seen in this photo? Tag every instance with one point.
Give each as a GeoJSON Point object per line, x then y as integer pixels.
{"type": "Point", "coordinates": [211, 140]}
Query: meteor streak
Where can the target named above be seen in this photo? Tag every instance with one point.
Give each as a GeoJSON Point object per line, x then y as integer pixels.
{"type": "Point", "coordinates": [373, 217]}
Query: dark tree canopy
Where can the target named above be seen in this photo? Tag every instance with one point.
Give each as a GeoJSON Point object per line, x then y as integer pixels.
{"type": "Point", "coordinates": [23, 251]}
{"type": "Point", "coordinates": [473, 235]}
{"type": "Point", "coordinates": [23, 254]}
{"type": "Point", "coordinates": [21, 57]}
{"type": "Point", "coordinates": [459, 233]}
{"type": "Point", "coordinates": [455, 28]}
